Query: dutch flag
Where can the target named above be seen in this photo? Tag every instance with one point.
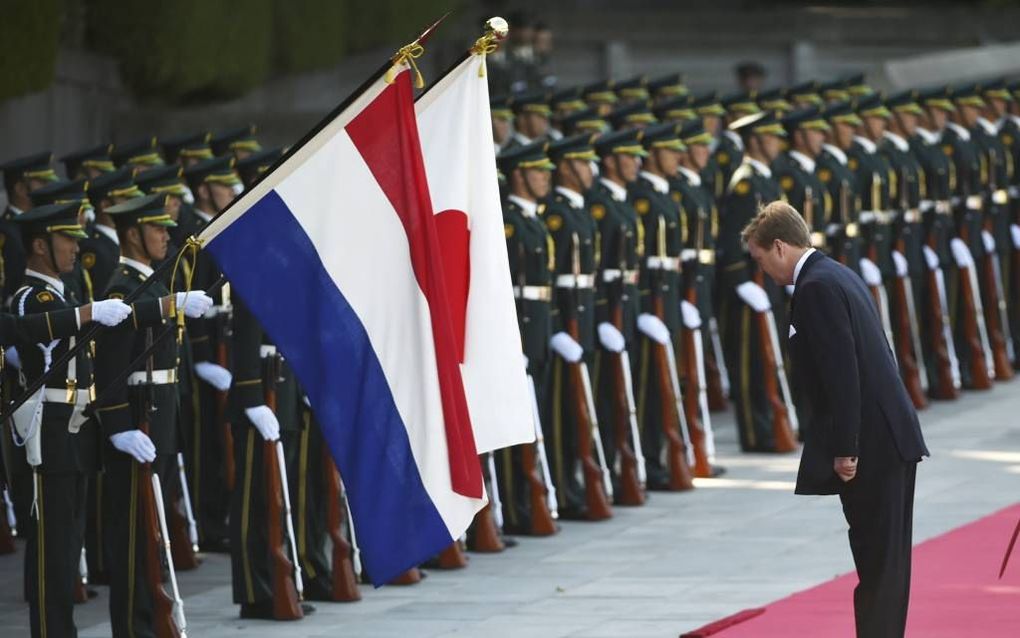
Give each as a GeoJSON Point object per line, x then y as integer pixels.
{"type": "Point", "coordinates": [335, 251]}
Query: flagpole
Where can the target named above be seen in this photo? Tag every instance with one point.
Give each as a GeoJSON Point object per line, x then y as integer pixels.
{"type": "Point", "coordinates": [496, 30]}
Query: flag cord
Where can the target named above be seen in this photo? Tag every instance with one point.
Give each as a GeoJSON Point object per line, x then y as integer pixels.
{"type": "Point", "coordinates": [407, 55]}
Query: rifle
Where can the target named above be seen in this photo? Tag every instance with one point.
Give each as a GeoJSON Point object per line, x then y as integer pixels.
{"type": "Point", "coordinates": [943, 349]}
{"type": "Point", "coordinates": [696, 399]}
{"type": "Point", "coordinates": [996, 314]}
{"type": "Point", "coordinates": [982, 366]}
{"type": "Point", "coordinates": [679, 452]}
{"type": "Point", "coordinates": [550, 488]}
{"type": "Point", "coordinates": [224, 332]}
{"type": "Point", "coordinates": [908, 346]}
{"type": "Point", "coordinates": [597, 485]}
{"type": "Point", "coordinates": [184, 531]}
{"type": "Point", "coordinates": [488, 522]}
{"type": "Point", "coordinates": [630, 460]}
{"type": "Point", "coordinates": [81, 592]}
{"type": "Point", "coordinates": [783, 413]}
{"type": "Point", "coordinates": [286, 574]}
{"type": "Point", "coordinates": [345, 581]}
{"type": "Point", "coordinates": [167, 610]}
{"type": "Point", "coordinates": [8, 524]}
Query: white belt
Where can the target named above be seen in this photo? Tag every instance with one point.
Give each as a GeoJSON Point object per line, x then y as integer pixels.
{"type": "Point", "coordinates": [705, 255]}
{"type": "Point", "coordinates": [818, 239]}
{"type": "Point", "coordinates": [215, 311]}
{"type": "Point", "coordinates": [926, 205]}
{"type": "Point", "coordinates": [533, 293]}
{"type": "Point", "coordinates": [1000, 197]}
{"type": "Point", "coordinates": [912, 216]}
{"type": "Point", "coordinates": [943, 207]}
{"type": "Point", "coordinates": [575, 281]}
{"type": "Point", "coordinates": [59, 395]}
{"type": "Point", "coordinates": [663, 263]}
{"type": "Point", "coordinates": [879, 216]}
{"type": "Point", "coordinates": [610, 275]}
{"type": "Point", "coordinates": [974, 202]}
{"type": "Point", "coordinates": [267, 351]}
{"type": "Point", "coordinates": [158, 377]}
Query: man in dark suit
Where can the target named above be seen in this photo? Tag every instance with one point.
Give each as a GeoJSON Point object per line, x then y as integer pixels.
{"type": "Point", "coordinates": [865, 440]}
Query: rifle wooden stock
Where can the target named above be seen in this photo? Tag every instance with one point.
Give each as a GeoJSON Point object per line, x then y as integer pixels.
{"type": "Point", "coordinates": [978, 366]}
{"type": "Point", "coordinates": [996, 338]}
{"type": "Point", "coordinates": [596, 501]}
{"type": "Point", "coordinates": [542, 523]}
{"type": "Point", "coordinates": [680, 477]}
{"type": "Point", "coordinates": [452, 557]}
{"type": "Point", "coordinates": [222, 403]}
{"type": "Point", "coordinates": [484, 534]}
{"type": "Point", "coordinates": [632, 491]}
{"type": "Point", "coordinates": [908, 363]}
{"type": "Point", "coordinates": [81, 592]}
{"type": "Point", "coordinates": [286, 605]}
{"type": "Point", "coordinates": [180, 543]}
{"type": "Point", "coordinates": [717, 401]}
{"type": "Point", "coordinates": [7, 545]}
{"type": "Point", "coordinates": [345, 582]}
{"type": "Point", "coordinates": [782, 431]}
{"type": "Point", "coordinates": [940, 349]}
{"type": "Point", "coordinates": [410, 577]}
{"type": "Point", "coordinates": [163, 625]}
{"type": "Point", "coordinates": [692, 407]}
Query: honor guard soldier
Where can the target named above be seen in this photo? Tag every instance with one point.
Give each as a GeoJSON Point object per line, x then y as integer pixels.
{"type": "Point", "coordinates": [729, 152]}
{"type": "Point", "coordinates": [700, 221]}
{"type": "Point", "coordinates": [834, 92]}
{"type": "Point", "coordinates": [775, 100]}
{"type": "Point", "coordinates": [856, 86]}
{"type": "Point", "coordinates": [563, 103]}
{"type": "Point", "coordinates": [576, 245]}
{"type": "Point", "coordinates": [139, 419]}
{"type": "Point", "coordinates": [796, 170]}
{"type": "Point", "coordinates": [89, 163]}
{"type": "Point", "coordinates": [908, 238]}
{"type": "Point", "coordinates": [238, 142]}
{"type": "Point", "coordinates": [187, 150]}
{"type": "Point", "coordinates": [101, 250]}
{"type": "Point", "coordinates": [679, 110]}
{"type": "Point", "coordinates": [168, 180]}
{"type": "Point", "coordinates": [833, 170]}
{"type": "Point", "coordinates": [531, 119]}
{"type": "Point", "coordinates": [973, 339]}
{"type": "Point", "coordinates": [805, 95]}
{"type": "Point", "coordinates": [601, 96]}
{"type": "Point", "coordinates": [667, 87]}
{"type": "Point", "coordinates": [939, 231]}
{"type": "Point", "coordinates": [749, 304]}
{"type": "Point", "coordinates": [138, 155]}
{"type": "Point", "coordinates": [214, 185]}
{"type": "Point", "coordinates": [587, 121]}
{"type": "Point", "coordinates": [531, 250]}
{"type": "Point", "coordinates": [21, 177]}
{"type": "Point", "coordinates": [61, 446]}
{"type": "Point", "coordinates": [632, 91]}
{"type": "Point", "coordinates": [78, 281]}
{"type": "Point", "coordinates": [634, 115]}
{"type": "Point", "coordinates": [502, 122]}
{"type": "Point", "coordinates": [721, 163]}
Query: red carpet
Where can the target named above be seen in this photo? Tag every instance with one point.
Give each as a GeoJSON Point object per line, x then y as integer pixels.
{"type": "Point", "coordinates": [955, 592]}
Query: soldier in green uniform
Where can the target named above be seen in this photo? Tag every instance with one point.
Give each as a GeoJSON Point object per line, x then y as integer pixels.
{"type": "Point", "coordinates": [796, 171]}
{"type": "Point", "coordinates": [678, 109]}
{"type": "Point", "coordinates": [148, 400]}
{"type": "Point", "coordinates": [563, 103]}
{"type": "Point", "coordinates": [834, 92]}
{"type": "Point", "coordinates": [833, 170]}
{"type": "Point", "coordinates": [61, 448]}
{"type": "Point", "coordinates": [587, 121]}
{"type": "Point", "coordinates": [88, 163]}
{"type": "Point", "coordinates": [633, 115]}
{"type": "Point", "coordinates": [575, 247]}
{"type": "Point", "coordinates": [939, 229]}
{"type": "Point", "coordinates": [775, 100]}
{"type": "Point", "coordinates": [530, 250]}
{"type": "Point", "coordinates": [805, 95]}
{"type": "Point", "coordinates": [667, 87]}
{"type": "Point", "coordinates": [502, 121]}
{"type": "Point", "coordinates": [531, 119]}
{"type": "Point", "coordinates": [138, 155]}
{"type": "Point", "coordinates": [240, 142]}
{"type": "Point", "coordinates": [101, 251]}
{"type": "Point", "coordinates": [751, 186]}
{"type": "Point", "coordinates": [21, 176]}
{"type": "Point", "coordinates": [632, 91]}
{"type": "Point", "coordinates": [729, 151]}
{"type": "Point", "coordinates": [721, 163]}
{"type": "Point", "coordinates": [875, 183]}
{"type": "Point", "coordinates": [601, 96]}
{"type": "Point", "coordinates": [187, 150]}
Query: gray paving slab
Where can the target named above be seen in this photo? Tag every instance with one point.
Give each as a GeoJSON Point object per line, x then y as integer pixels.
{"type": "Point", "coordinates": [680, 561]}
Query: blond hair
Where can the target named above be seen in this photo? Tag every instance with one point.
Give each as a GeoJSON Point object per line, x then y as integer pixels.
{"type": "Point", "coordinates": [777, 220]}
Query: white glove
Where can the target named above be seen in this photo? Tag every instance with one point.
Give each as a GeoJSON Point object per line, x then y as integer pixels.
{"type": "Point", "coordinates": [691, 315]}
{"type": "Point", "coordinates": [755, 296]}
{"type": "Point", "coordinates": [611, 338]}
{"type": "Point", "coordinates": [653, 328]}
{"type": "Point", "coordinates": [215, 375]}
{"type": "Point", "coordinates": [961, 253]}
{"type": "Point", "coordinates": [136, 443]}
{"type": "Point", "coordinates": [194, 304]}
{"type": "Point", "coordinates": [110, 312]}
{"type": "Point", "coordinates": [264, 421]}
{"type": "Point", "coordinates": [12, 357]}
{"type": "Point", "coordinates": [565, 346]}
{"type": "Point", "coordinates": [902, 267]}
{"type": "Point", "coordinates": [870, 272]}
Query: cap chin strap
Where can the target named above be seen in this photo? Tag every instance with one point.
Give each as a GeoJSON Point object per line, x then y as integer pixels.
{"type": "Point", "coordinates": [53, 254]}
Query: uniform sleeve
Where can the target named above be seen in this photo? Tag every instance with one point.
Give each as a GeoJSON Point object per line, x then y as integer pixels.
{"type": "Point", "coordinates": [147, 313]}
{"type": "Point", "coordinates": [113, 355]}
{"type": "Point", "coordinates": [246, 391]}
{"type": "Point", "coordinates": [830, 340]}
{"type": "Point", "coordinates": [737, 208]}
{"type": "Point", "coordinates": [200, 330]}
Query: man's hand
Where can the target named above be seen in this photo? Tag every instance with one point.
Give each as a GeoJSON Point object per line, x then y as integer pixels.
{"type": "Point", "coordinates": [845, 467]}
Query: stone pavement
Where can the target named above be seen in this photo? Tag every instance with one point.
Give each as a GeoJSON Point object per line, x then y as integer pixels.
{"type": "Point", "coordinates": [679, 562]}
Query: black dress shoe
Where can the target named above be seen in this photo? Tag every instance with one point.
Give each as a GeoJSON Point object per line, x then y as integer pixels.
{"type": "Point", "coordinates": [509, 542]}
{"type": "Point", "coordinates": [314, 591]}
{"type": "Point", "coordinates": [257, 611]}
{"type": "Point", "coordinates": [216, 545]}
{"type": "Point", "coordinates": [307, 609]}
{"type": "Point", "coordinates": [717, 471]}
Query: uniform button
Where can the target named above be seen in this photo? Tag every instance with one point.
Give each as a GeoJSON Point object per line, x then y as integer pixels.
{"type": "Point", "coordinates": [526, 320]}
{"type": "Point", "coordinates": [624, 297]}
{"type": "Point", "coordinates": [580, 308]}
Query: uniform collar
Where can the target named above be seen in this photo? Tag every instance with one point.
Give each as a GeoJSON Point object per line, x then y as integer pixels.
{"type": "Point", "coordinates": [56, 284]}
{"type": "Point", "coordinates": [658, 183]}
{"type": "Point", "coordinates": [618, 192]}
{"type": "Point", "coordinates": [800, 264]}
{"type": "Point", "coordinates": [866, 144]}
{"type": "Point", "coordinates": [897, 141]}
{"type": "Point", "coordinates": [529, 209]}
{"type": "Point", "coordinates": [692, 177]}
{"type": "Point", "coordinates": [805, 162]}
{"type": "Point", "coordinates": [204, 216]}
{"type": "Point", "coordinates": [14, 209]}
{"type": "Point", "coordinates": [575, 199]}
{"type": "Point", "coordinates": [836, 152]}
{"type": "Point", "coordinates": [108, 232]}
{"type": "Point", "coordinates": [521, 139]}
{"type": "Point", "coordinates": [759, 167]}
{"type": "Point", "coordinates": [961, 132]}
{"type": "Point", "coordinates": [137, 265]}
{"type": "Point", "coordinates": [987, 126]}
{"type": "Point", "coordinates": [929, 137]}
{"type": "Point", "coordinates": [739, 143]}
{"type": "Point", "coordinates": [1015, 118]}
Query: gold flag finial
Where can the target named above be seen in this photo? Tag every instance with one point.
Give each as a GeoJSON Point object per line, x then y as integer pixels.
{"type": "Point", "coordinates": [407, 54]}
{"type": "Point", "coordinates": [496, 30]}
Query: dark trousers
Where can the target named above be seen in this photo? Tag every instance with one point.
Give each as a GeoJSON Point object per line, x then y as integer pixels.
{"type": "Point", "coordinates": [131, 593]}
{"type": "Point", "coordinates": [306, 475]}
{"type": "Point", "coordinates": [53, 548]}
{"type": "Point", "coordinates": [879, 509]}
{"type": "Point", "coordinates": [207, 479]}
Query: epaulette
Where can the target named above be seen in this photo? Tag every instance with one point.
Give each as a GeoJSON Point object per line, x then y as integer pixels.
{"type": "Point", "coordinates": [744, 171]}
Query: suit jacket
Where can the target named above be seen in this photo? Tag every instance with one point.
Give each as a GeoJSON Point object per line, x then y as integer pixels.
{"type": "Point", "coordinates": [849, 379]}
